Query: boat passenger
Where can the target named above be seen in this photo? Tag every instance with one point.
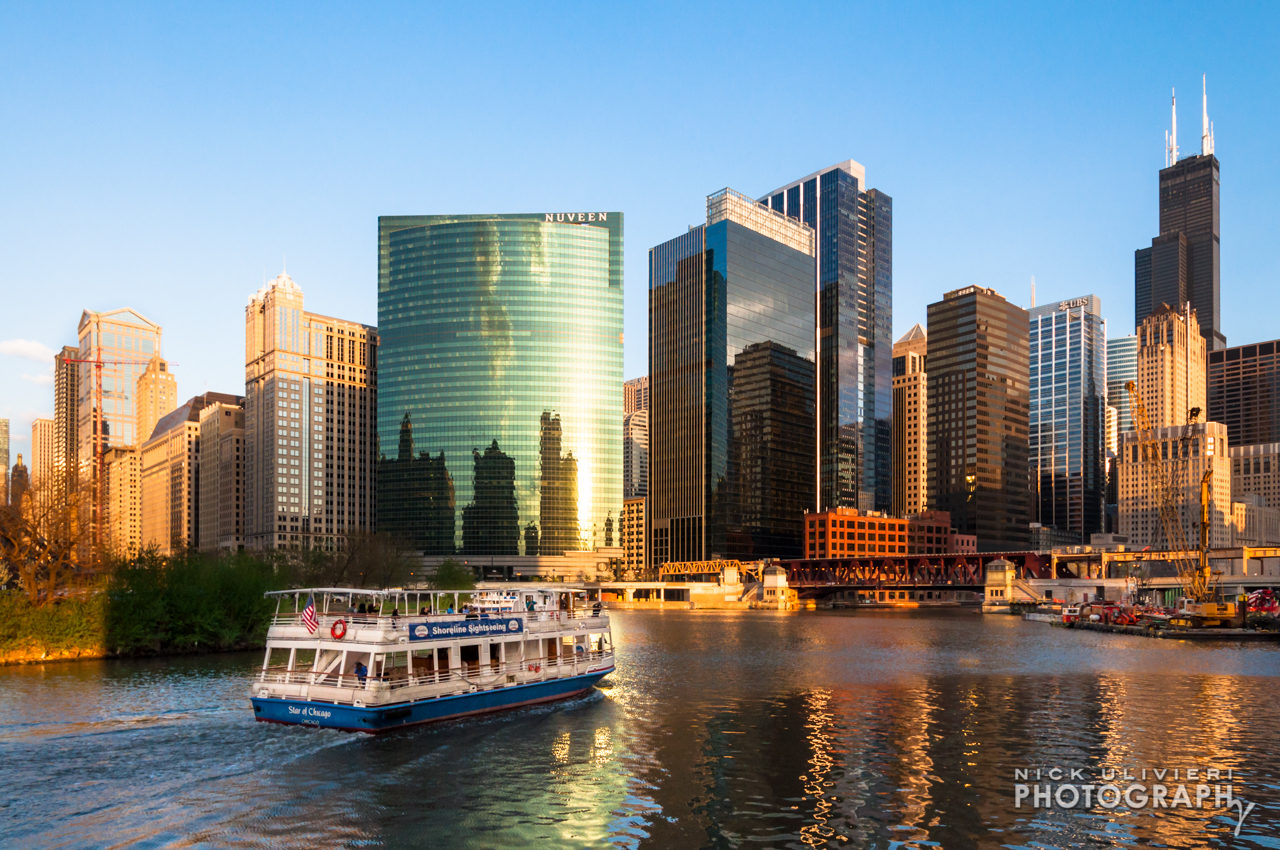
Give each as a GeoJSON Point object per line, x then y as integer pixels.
{"type": "Point", "coordinates": [395, 612]}
{"type": "Point", "coordinates": [528, 605]}
{"type": "Point", "coordinates": [361, 671]}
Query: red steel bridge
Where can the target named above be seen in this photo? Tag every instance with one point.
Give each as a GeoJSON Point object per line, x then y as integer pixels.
{"type": "Point", "coordinates": [813, 576]}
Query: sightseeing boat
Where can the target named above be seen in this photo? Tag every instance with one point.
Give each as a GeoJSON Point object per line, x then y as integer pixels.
{"type": "Point", "coordinates": [374, 660]}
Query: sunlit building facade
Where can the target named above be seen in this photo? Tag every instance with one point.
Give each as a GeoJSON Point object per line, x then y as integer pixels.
{"type": "Point", "coordinates": [635, 454]}
{"type": "Point", "coordinates": [500, 406]}
{"type": "Point", "coordinates": [1172, 367]}
{"type": "Point", "coordinates": [309, 409]}
{"type": "Point", "coordinates": [4, 461]}
{"type": "Point", "coordinates": [732, 417]}
{"type": "Point", "coordinates": [853, 228]}
{"type": "Point", "coordinates": [1068, 372]}
{"type": "Point", "coordinates": [635, 395]}
{"type": "Point", "coordinates": [221, 484]}
{"type": "Point", "coordinates": [978, 416]}
{"type": "Point", "coordinates": [910, 423]}
{"type": "Point", "coordinates": [124, 342]}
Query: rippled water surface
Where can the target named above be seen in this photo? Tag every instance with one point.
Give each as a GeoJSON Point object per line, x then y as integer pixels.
{"type": "Point", "coordinates": [717, 730]}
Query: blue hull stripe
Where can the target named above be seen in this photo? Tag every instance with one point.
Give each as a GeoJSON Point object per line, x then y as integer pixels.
{"type": "Point", "coordinates": [397, 715]}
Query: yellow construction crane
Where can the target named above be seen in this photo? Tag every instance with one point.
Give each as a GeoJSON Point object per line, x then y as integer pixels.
{"type": "Point", "coordinates": [1197, 579]}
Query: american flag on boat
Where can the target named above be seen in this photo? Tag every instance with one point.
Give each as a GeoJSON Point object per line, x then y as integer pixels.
{"type": "Point", "coordinates": [309, 618]}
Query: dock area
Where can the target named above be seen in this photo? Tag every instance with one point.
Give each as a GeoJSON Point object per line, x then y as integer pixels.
{"type": "Point", "coordinates": [1199, 635]}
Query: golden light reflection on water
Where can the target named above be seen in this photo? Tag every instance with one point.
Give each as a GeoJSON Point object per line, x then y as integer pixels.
{"type": "Point", "coordinates": [816, 781]}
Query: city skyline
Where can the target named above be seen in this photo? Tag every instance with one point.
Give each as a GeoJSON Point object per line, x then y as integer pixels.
{"type": "Point", "coordinates": [225, 227]}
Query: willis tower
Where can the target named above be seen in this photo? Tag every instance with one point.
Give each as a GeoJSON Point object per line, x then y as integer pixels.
{"type": "Point", "coordinates": [1182, 263]}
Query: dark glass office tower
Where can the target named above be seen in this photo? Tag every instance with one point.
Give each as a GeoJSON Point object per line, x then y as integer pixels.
{"type": "Point", "coordinates": [1182, 263]}
{"type": "Point", "coordinates": [731, 381]}
{"type": "Point", "coordinates": [1244, 392]}
{"type": "Point", "coordinates": [854, 229]}
{"type": "Point", "coordinates": [1068, 373]}
{"type": "Point", "coordinates": [978, 416]}
{"type": "Point", "coordinates": [500, 411]}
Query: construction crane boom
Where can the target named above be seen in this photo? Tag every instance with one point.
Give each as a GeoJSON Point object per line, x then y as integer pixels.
{"type": "Point", "coordinates": [1193, 574]}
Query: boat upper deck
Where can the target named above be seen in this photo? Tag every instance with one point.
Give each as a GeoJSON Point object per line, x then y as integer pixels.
{"type": "Point", "coordinates": [400, 615]}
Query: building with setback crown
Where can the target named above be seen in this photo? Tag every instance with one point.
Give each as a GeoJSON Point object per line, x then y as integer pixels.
{"type": "Point", "coordinates": [1067, 422]}
{"type": "Point", "coordinates": [910, 423]}
{"type": "Point", "coordinates": [1172, 367]}
{"type": "Point", "coordinates": [978, 416]}
{"type": "Point", "coordinates": [500, 382]}
{"type": "Point", "coordinates": [1182, 263]}
{"type": "Point", "coordinates": [309, 413]}
{"type": "Point", "coordinates": [732, 386]}
{"type": "Point", "coordinates": [853, 248]}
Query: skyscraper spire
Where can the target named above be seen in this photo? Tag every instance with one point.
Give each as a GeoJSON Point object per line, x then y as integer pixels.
{"type": "Point", "coordinates": [1171, 138]}
{"type": "Point", "coordinates": [1206, 129]}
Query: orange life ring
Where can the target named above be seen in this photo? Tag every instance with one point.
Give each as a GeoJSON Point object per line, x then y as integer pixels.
{"type": "Point", "coordinates": [338, 629]}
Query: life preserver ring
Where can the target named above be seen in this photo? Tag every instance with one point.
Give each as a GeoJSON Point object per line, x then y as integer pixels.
{"type": "Point", "coordinates": [338, 629]}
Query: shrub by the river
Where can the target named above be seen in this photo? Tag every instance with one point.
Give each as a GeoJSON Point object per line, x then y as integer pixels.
{"type": "Point", "coordinates": [64, 626]}
{"type": "Point", "coordinates": [193, 602]}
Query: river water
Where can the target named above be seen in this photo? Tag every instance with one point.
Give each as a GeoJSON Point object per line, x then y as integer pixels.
{"type": "Point", "coordinates": [855, 729]}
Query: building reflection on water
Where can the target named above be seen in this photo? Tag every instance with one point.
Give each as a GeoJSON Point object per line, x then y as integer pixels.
{"type": "Point", "coordinates": [717, 730]}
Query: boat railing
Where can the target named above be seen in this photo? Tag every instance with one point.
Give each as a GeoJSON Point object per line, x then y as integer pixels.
{"type": "Point", "coordinates": [480, 676]}
{"type": "Point", "coordinates": [534, 620]}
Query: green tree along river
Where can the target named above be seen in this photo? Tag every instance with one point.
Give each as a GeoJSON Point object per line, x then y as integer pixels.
{"type": "Point", "coordinates": [851, 729]}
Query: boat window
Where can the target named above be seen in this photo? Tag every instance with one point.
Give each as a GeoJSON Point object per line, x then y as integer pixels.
{"type": "Point", "coordinates": [396, 666]}
{"type": "Point", "coordinates": [469, 654]}
{"type": "Point", "coordinates": [305, 659]}
{"type": "Point", "coordinates": [278, 657]}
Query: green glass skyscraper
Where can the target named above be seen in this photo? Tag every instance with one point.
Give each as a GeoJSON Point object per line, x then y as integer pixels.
{"type": "Point", "coordinates": [500, 370]}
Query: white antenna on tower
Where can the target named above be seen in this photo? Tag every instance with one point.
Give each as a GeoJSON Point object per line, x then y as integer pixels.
{"type": "Point", "coordinates": [1033, 290]}
{"type": "Point", "coordinates": [1206, 129]}
{"type": "Point", "coordinates": [1171, 138]}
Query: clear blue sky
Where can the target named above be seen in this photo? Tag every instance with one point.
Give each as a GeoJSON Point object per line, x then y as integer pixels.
{"type": "Point", "coordinates": [167, 157]}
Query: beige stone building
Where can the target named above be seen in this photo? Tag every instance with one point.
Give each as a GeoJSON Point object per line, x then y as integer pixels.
{"type": "Point", "coordinates": [1172, 367]}
{"type": "Point", "coordinates": [631, 535]}
{"type": "Point", "coordinates": [1254, 524]}
{"type": "Point", "coordinates": [221, 467]}
{"type": "Point", "coordinates": [124, 501]}
{"type": "Point", "coordinates": [1255, 471]}
{"type": "Point", "coordinates": [169, 477]}
{"type": "Point", "coordinates": [309, 423]}
{"type": "Point", "coordinates": [44, 452]}
{"type": "Point", "coordinates": [157, 394]}
{"type": "Point", "coordinates": [910, 424]}
{"type": "Point", "coordinates": [1189, 452]}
